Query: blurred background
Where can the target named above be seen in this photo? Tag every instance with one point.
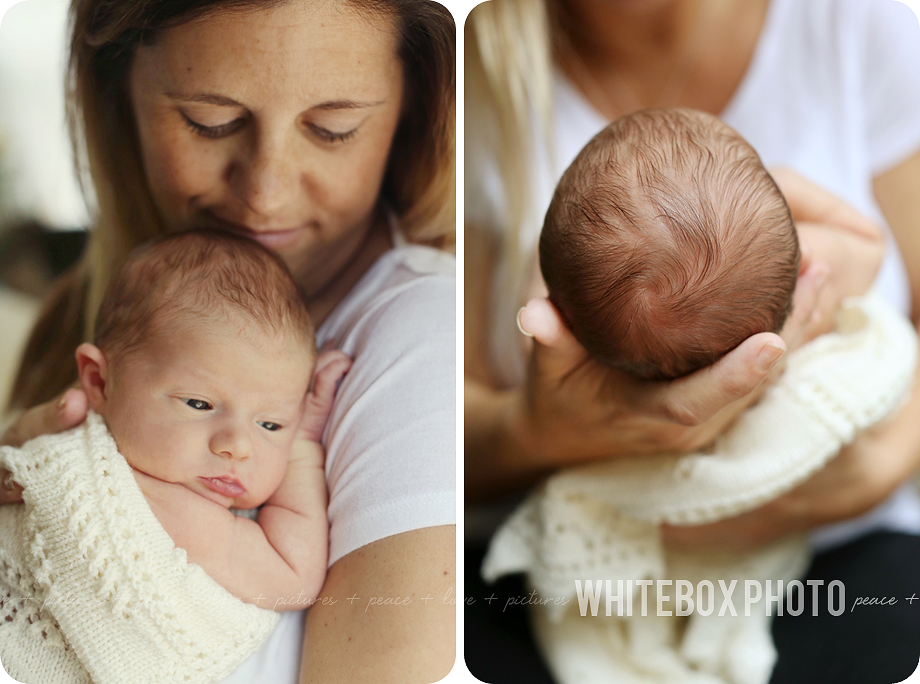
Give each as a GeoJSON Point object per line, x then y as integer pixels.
{"type": "Point", "coordinates": [43, 215]}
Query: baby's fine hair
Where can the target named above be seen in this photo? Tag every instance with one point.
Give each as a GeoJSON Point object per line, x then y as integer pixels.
{"type": "Point", "coordinates": [200, 275]}
{"type": "Point", "coordinates": [667, 244]}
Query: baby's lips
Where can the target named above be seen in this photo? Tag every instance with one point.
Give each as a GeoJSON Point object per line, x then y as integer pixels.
{"type": "Point", "coordinates": [227, 486]}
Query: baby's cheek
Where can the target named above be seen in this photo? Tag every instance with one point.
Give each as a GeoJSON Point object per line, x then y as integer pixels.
{"type": "Point", "coordinates": [275, 471]}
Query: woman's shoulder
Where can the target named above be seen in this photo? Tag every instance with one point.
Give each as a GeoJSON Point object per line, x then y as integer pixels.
{"type": "Point", "coordinates": [844, 19]}
{"type": "Point", "coordinates": [407, 297]}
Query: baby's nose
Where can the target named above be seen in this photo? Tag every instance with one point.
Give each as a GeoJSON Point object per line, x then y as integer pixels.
{"type": "Point", "coordinates": [233, 444]}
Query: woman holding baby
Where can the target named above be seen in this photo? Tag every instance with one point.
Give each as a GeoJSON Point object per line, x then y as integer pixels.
{"type": "Point", "coordinates": [828, 90]}
{"type": "Point", "coordinates": [325, 132]}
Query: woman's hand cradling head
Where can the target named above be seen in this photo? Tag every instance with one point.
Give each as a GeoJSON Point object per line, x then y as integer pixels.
{"type": "Point", "coordinates": [574, 410]}
{"type": "Point", "coordinates": [58, 415]}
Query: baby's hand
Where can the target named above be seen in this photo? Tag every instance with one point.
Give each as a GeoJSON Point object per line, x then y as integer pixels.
{"type": "Point", "coordinates": [331, 367]}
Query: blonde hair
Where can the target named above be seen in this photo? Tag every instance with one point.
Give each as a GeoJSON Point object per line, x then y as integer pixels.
{"type": "Point", "coordinates": [508, 86]}
{"type": "Point", "coordinates": [418, 185]}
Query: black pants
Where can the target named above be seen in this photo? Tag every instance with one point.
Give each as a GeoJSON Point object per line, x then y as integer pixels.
{"type": "Point", "coordinates": [867, 644]}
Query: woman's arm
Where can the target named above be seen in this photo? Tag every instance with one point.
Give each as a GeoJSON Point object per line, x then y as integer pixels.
{"type": "Point", "coordinates": [390, 608]}
{"type": "Point", "coordinates": [881, 459]}
{"type": "Point", "coordinates": [386, 613]}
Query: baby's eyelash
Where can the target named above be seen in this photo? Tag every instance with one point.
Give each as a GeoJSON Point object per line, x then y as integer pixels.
{"type": "Point", "coordinates": [268, 425]}
{"type": "Point", "coordinates": [198, 404]}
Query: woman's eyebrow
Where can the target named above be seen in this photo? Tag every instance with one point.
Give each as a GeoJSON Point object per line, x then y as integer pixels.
{"type": "Point", "coordinates": [346, 104]}
{"type": "Point", "coordinates": [223, 101]}
{"type": "Point", "coordinates": [205, 98]}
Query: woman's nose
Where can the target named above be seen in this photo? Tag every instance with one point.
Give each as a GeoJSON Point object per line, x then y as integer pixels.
{"type": "Point", "coordinates": [232, 443]}
{"type": "Point", "coordinates": [267, 179]}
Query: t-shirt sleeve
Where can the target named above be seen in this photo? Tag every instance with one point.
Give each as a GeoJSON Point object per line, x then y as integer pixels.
{"type": "Point", "coordinates": [391, 438]}
{"type": "Point", "coordinates": [891, 82]}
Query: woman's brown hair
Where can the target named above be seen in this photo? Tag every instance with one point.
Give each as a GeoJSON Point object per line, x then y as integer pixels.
{"type": "Point", "coordinates": [418, 185]}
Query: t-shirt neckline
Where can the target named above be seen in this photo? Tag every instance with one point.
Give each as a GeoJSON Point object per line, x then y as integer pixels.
{"type": "Point", "coordinates": [764, 49]}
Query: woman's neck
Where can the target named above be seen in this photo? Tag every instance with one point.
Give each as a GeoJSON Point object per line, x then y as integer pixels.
{"type": "Point", "coordinates": [376, 242]}
{"type": "Point", "coordinates": [627, 55]}
{"type": "Point", "coordinates": [627, 35]}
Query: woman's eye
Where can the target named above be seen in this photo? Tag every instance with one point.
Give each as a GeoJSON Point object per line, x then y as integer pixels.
{"type": "Point", "coordinates": [269, 425]}
{"type": "Point", "coordinates": [198, 404]}
{"type": "Point", "coordinates": [332, 136]}
{"type": "Point", "coordinates": [213, 132]}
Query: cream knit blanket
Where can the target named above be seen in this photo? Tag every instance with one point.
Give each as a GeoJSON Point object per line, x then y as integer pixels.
{"type": "Point", "coordinates": [92, 589]}
{"type": "Point", "coordinates": [601, 522]}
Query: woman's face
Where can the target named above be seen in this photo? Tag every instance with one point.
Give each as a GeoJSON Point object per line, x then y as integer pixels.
{"type": "Point", "coordinates": [275, 123]}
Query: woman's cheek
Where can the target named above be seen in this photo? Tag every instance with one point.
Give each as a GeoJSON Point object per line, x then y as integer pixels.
{"type": "Point", "coordinates": [179, 169]}
{"type": "Point", "coordinates": [368, 169]}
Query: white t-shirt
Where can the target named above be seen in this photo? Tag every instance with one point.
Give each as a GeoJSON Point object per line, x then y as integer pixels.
{"type": "Point", "coordinates": [391, 438]}
{"type": "Point", "coordinates": [833, 91]}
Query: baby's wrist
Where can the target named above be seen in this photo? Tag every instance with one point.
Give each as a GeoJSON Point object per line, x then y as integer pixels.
{"type": "Point", "coordinates": [306, 452]}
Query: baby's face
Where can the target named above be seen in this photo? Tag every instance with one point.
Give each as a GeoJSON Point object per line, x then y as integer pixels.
{"type": "Point", "coordinates": [213, 407]}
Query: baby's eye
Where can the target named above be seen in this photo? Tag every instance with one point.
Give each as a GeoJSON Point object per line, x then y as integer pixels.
{"type": "Point", "coordinates": [198, 404]}
{"type": "Point", "coordinates": [269, 425]}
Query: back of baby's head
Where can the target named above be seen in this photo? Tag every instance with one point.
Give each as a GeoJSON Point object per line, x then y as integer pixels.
{"type": "Point", "coordinates": [667, 244]}
{"type": "Point", "coordinates": [201, 277]}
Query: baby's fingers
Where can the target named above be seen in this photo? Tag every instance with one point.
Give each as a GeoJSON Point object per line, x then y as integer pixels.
{"type": "Point", "coordinates": [331, 367]}
{"type": "Point", "coordinates": [806, 320]}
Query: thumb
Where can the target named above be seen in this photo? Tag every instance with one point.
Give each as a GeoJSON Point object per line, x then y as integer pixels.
{"type": "Point", "coordinates": [697, 397]}
{"type": "Point", "coordinates": [556, 351]}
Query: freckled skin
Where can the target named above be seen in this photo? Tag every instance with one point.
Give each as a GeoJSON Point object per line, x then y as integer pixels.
{"type": "Point", "coordinates": [310, 95]}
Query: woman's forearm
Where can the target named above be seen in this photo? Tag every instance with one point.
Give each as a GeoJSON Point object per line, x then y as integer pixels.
{"type": "Point", "coordinates": [496, 458]}
{"type": "Point", "coordinates": [387, 613]}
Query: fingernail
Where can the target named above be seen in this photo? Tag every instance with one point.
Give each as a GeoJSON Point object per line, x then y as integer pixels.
{"type": "Point", "coordinates": [62, 403]}
{"type": "Point", "coordinates": [521, 327]}
{"type": "Point", "coordinates": [768, 356]}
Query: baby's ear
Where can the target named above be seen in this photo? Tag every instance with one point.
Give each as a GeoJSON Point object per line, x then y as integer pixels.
{"type": "Point", "coordinates": [94, 374]}
{"type": "Point", "coordinates": [807, 254]}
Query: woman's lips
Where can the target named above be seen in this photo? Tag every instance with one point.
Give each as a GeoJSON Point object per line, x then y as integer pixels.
{"type": "Point", "coordinates": [227, 486]}
{"type": "Point", "coordinates": [275, 239]}
{"type": "Point", "coordinates": [272, 238]}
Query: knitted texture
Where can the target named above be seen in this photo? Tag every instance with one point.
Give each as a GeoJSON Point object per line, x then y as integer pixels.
{"type": "Point", "coordinates": [601, 521]}
{"type": "Point", "coordinates": [93, 589]}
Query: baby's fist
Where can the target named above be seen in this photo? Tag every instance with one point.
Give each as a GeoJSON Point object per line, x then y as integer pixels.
{"type": "Point", "coordinates": [331, 367]}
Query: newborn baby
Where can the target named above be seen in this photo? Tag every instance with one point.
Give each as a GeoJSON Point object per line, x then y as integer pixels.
{"type": "Point", "coordinates": [199, 369]}
{"type": "Point", "coordinates": [203, 354]}
{"type": "Point", "coordinates": [667, 244]}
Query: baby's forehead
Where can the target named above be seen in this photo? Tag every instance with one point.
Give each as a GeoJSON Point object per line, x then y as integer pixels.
{"type": "Point", "coordinates": [226, 357]}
